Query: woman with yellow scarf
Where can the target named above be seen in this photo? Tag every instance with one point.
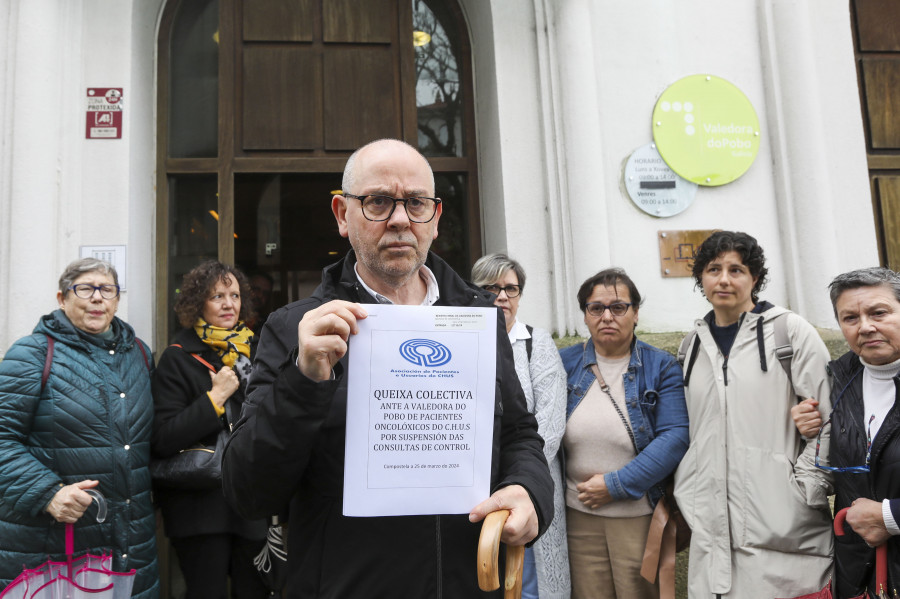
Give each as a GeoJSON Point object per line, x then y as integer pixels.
{"type": "Point", "coordinates": [198, 389]}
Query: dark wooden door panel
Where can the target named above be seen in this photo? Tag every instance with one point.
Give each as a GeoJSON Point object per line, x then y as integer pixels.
{"type": "Point", "coordinates": [362, 100]}
{"type": "Point", "coordinates": [889, 202]}
{"type": "Point", "coordinates": [879, 25]}
{"type": "Point", "coordinates": [282, 95]}
{"type": "Point", "coordinates": [278, 20]}
{"type": "Point", "coordinates": [881, 78]}
{"type": "Point", "coordinates": [876, 32]}
{"type": "Point", "coordinates": [368, 21]}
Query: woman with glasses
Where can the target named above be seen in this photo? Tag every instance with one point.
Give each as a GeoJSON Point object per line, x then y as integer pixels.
{"type": "Point", "coordinates": [626, 430]}
{"type": "Point", "coordinates": [864, 456]}
{"type": "Point", "coordinates": [198, 390]}
{"type": "Point", "coordinates": [546, 570]}
{"type": "Point", "coordinates": [75, 415]}
{"type": "Point", "coordinates": [748, 486]}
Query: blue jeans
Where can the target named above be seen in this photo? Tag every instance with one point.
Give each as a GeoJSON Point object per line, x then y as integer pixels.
{"type": "Point", "coordinates": [529, 576]}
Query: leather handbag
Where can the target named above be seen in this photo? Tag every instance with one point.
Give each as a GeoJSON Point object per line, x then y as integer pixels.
{"type": "Point", "coordinates": [668, 535]}
{"type": "Point", "coordinates": [197, 467]}
{"type": "Point", "coordinates": [194, 468]}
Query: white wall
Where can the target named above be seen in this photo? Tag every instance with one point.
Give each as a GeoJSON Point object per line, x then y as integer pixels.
{"type": "Point", "coordinates": [806, 197]}
{"type": "Point", "coordinates": [42, 59]}
{"type": "Point", "coordinates": [60, 190]}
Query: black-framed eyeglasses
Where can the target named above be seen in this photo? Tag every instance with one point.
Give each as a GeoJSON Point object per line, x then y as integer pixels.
{"type": "Point", "coordinates": [615, 308]}
{"type": "Point", "coordinates": [852, 469]}
{"type": "Point", "coordinates": [86, 291]}
{"type": "Point", "coordinates": [511, 290]}
{"type": "Point", "coordinates": [380, 208]}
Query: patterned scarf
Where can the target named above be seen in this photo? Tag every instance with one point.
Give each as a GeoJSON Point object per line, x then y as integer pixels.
{"type": "Point", "coordinates": [230, 344]}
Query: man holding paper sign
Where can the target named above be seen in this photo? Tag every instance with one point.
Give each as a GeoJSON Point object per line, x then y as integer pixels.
{"type": "Point", "coordinates": [289, 446]}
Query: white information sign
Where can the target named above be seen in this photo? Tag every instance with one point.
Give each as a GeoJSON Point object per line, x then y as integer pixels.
{"type": "Point", "coordinates": [420, 411]}
{"type": "Point", "coordinates": [653, 186]}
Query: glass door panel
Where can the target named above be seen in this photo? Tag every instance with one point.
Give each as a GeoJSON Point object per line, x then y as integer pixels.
{"type": "Point", "coordinates": [284, 227]}
{"type": "Point", "coordinates": [193, 231]}
{"type": "Point", "coordinates": [194, 80]}
{"type": "Point", "coordinates": [452, 243]}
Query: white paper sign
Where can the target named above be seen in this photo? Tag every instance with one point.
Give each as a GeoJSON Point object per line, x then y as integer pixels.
{"type": "Point", "coordinates": [420, 411]}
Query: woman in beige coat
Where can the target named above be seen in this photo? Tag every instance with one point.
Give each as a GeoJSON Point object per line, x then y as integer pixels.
{"type": "Point", "coordinates": [748, 485]}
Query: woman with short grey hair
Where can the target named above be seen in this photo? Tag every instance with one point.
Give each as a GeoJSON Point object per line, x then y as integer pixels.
{"type": "Point", "coordinates": [864, 426]}
{"type": "Point", "coordinates": [540, 372]}
{"type": "Point", "coordinates": [76, 414]}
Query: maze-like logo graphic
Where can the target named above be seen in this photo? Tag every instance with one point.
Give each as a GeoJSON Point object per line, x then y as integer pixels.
{"type": "Point", "coordinates": [425, 352]}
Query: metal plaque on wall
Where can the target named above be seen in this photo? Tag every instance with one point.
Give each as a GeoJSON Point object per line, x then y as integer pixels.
{"type": "Point", "coordinates": [653, 186]}
{"type": "Point", "coordinates": [677, 250]}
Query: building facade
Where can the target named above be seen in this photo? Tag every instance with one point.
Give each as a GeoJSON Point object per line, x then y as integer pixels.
{"type": "Point", "coordinates": [237, 116]}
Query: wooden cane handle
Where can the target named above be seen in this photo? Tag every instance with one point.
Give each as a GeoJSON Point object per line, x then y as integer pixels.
{"type": "Point", "coordinates": [489, 556]}
{"type": "Point", "coordinates": [489, 550]}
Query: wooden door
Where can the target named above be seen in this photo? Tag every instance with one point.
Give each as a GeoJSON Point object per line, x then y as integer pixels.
{"type": "Point", "coordinates": [877, 36]}
{"type": "Point", "coordinates": [262, 101]}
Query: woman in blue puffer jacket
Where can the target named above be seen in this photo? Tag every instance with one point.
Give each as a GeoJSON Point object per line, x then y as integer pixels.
{"type": "Point", "coordinates": [76, 413]}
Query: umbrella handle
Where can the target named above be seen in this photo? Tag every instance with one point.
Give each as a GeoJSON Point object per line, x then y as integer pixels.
{"type": "Point", "coordinates": [101, 516]}
{"type": "Point", "coordinates": [101, 503]}
{"type": "Point", "coordinates": [880, 553]}
{"type": "Point", "coordinates": [839, 519]}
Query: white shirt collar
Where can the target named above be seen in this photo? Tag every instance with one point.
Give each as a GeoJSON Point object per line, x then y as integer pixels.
{"type": "Point", "coordinates": [518, 331]}
{"type": "Point", "coordinates": [432, 293]}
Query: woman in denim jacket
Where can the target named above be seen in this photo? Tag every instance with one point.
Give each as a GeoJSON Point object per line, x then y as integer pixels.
{"type": "Point", "coordinates": [625, 434]}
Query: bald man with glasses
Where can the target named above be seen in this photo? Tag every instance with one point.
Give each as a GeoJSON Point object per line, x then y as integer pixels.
{"type": "Point", "coordinates": [288, 447]}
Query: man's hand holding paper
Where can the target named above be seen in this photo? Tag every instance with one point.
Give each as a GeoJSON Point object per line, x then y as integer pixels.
{"type": "Point", "coordinates": [322, 337]}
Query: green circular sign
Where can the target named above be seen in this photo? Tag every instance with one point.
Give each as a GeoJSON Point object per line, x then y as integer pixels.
{"type": "Point", "coordinates": [706, 130]}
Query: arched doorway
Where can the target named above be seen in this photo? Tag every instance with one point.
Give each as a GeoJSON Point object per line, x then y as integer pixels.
{"type": "Point", "coordinates": [260, 103]}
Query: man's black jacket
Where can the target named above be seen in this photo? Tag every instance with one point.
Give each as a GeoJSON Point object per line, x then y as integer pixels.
{"type": "Point", "coordinates": [288, 450]}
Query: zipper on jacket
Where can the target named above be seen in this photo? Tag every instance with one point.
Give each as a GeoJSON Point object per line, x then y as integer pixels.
{"type": "Point", "coordinates": [725, 363]}
{"type": "Point", "coordinates": [439, 583]}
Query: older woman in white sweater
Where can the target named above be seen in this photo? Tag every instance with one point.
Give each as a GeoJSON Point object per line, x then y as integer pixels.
{"type": "Point", "coordinates": [546, 571]}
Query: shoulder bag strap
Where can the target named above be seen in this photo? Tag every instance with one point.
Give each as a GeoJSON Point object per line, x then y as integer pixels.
{"type": "Point", "coordinates": [198, 358]}
{"type": "Point", "coordinates": [143, 353]}
{"type": "Point", "coordinates": [48, 362]}
{"type": "Point", "coordinates": [228, 415]}
{"type": "Point", "coordinates": [605, 388]}
{"type": "Point", "coordinates": [529, 341]}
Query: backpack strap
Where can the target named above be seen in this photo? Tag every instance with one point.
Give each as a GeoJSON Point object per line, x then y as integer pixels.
{"type": "Point", "coordinates": [691, 340]}
{"type": "Point", "coordinates": [529, 341]}
{"type": "Point", "coordinates": [48, 362]}
{"type": "Point", "coordinates": [683, 348]}
{"type": "Point", "coordinates": [198, 358]}
{"type": "Point", "coordinates": [784, 351]}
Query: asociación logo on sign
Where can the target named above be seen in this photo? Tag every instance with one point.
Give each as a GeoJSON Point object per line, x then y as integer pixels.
{"type": "Point", "coordinates": [425, 352]}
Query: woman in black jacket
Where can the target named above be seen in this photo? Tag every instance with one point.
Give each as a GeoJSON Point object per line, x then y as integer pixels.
{"type": "Point", "coordinates": [198, 389]}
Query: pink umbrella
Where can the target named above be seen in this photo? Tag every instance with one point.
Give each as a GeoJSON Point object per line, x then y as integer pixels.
{"type": "Point", "coordinates": [76, 578]}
